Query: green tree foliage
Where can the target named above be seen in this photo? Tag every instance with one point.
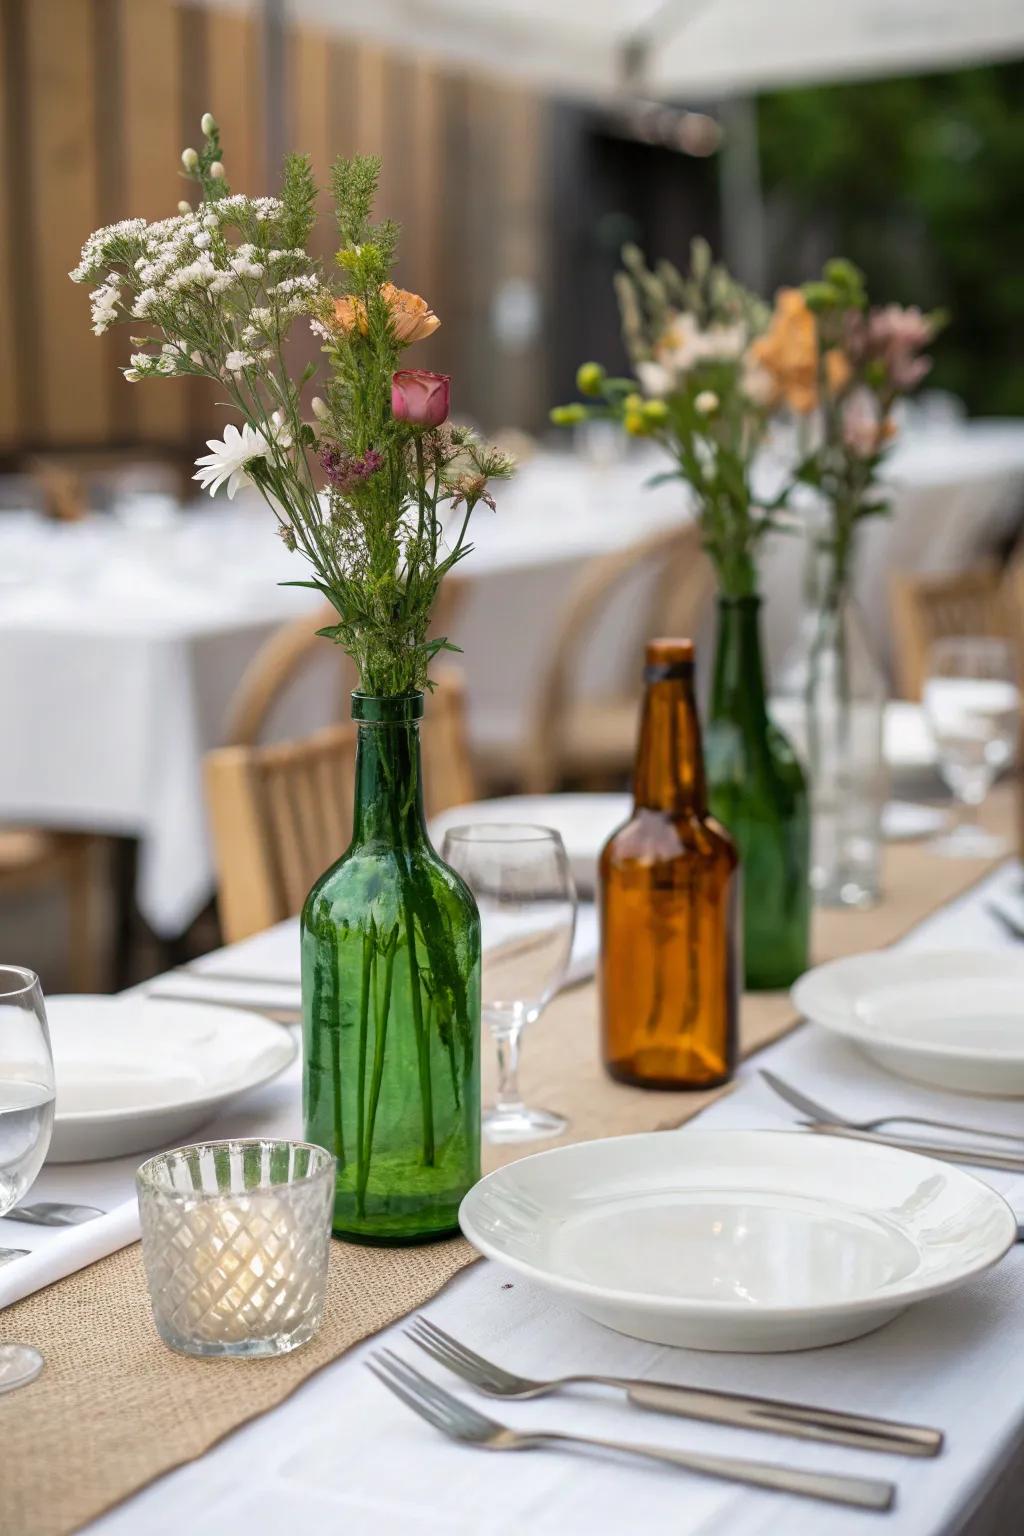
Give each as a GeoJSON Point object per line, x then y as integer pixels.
{"type": "Point", "coordinates": [921, 183]}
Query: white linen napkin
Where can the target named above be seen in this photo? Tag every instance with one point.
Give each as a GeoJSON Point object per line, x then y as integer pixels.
{"type": "Point", "coordinates": [62, 1250]}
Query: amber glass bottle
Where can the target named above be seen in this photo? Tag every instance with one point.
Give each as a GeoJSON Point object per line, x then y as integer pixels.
{"type": "Point", "coordinates": [669, 888]}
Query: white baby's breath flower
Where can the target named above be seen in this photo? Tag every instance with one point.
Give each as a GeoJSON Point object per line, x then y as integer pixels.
{"type": "Point", "coordinates": [226, 461]}
{"type": "Point", "coordinates": [202, 240]}
{"type": "Point", "coordinates": [706, 402]}
{"type": "Point", "coordinates": [236, 361]}
{"type": "Point", "coordinates": [211, 221]}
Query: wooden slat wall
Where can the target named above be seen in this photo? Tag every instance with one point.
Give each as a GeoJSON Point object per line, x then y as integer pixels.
{"type": "Point", "coordinates": [91, 130]}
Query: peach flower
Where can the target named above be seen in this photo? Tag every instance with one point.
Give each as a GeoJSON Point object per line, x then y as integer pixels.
{"type": "Point", "coordinates": [411, 316]}
{"type": "Point", "coordinates": [788, 352]}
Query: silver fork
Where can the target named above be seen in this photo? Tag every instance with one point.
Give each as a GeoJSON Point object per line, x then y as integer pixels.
{"type": "Point", "coordinates": [798, 1100]}
{"type": "Point", "coordinates": [461, 1422]}
{"type": "Point", "coordinates": [736, 1409]}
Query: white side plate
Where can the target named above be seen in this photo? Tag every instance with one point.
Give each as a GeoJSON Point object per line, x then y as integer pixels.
{"type": "Point", "coordinates": [134, 1074]}
{"type": "Point", "coordinates": [738, 1240]}
{"type": "Point", "coordinates": [953, 1020]}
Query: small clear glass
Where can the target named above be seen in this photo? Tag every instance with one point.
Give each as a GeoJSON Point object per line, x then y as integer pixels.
{"type": "Point", "coordinates": [235, 1239]}
{"type": "Point", "coordinates": [27, 1087]}
{"type": "Point", "coordinates": [972, 704]}
{"type": "Point", "coordinates": [27, 1091]}
{"type": "Point", "coordinates": [524, 890]}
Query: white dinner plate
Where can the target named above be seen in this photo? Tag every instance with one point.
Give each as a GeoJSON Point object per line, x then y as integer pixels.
{"type": "Point", "coordinates": [953, 1020]}
{"type": "Point", "coordinates": [586, 822]}
{"type": "Point", "coordinates": [738, 1240]}
{"type": "Point", "coordinates": [134, 1073]}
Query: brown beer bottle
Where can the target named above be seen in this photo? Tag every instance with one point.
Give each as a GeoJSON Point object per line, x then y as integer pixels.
{"type": "Point", "coordinates": [669, 893]}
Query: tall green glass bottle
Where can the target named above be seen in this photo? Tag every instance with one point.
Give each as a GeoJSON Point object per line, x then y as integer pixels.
{"type": "Point", "coordinates": [391, 1003]}
{"type": "Point", "coordinates": [756, 789]}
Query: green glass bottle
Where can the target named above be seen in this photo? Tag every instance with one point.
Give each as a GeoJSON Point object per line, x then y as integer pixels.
{"type": "Point", "coordinates": [391, 1003]}
{"type": "Point", "coordinates": [757, 791]}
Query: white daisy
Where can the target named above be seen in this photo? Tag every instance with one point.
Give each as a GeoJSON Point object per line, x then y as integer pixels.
{"type": "Point", "coordinates": [227, 460]}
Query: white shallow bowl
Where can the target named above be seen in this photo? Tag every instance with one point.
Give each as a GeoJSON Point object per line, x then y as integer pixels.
{"type": "Point", "coordinates": [738, 1240]}
{"type": "Point", "coordinates": [952, 1020]}
{"type": "Point", "coordinates": [133, 1074]}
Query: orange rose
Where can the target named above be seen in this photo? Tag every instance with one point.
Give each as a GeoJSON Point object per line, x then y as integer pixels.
{"type": "Point", "coordinates": [411, 316]}
{"type": "Point", "coordinates": [788, 351]}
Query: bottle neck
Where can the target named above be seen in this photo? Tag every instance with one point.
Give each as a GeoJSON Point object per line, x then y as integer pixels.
{"type": "Point", "coordinates": [669, 773]}
{"type": "Point", "coordinates": [738, 690]}
{"type": "Point", "coordinates": [389, 784]}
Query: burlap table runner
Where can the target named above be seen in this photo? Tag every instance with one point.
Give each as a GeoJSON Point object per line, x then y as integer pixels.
{"type": "Point", "coordinates": [114, 1409]}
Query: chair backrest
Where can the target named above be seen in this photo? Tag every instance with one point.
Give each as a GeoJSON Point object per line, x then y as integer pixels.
{"type": "Point", "coordinates": [930, 608]}
{"type": "Point", "coordinates": [281, 814]}
{"type": "Point", "coordinates": [289, 652]}
{"type": "Point", "coordinates": [682, 585]}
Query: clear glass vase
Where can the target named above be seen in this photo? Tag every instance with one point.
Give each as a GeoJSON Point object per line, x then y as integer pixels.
{"type": "Point", "coordinates": [391, 1003]}
{"type": "Point", "coordinates": [832, 701]}
{"type": "Point", "coordinates": [756, 789]}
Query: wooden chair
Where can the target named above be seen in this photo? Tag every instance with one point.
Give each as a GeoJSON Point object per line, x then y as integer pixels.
{"type": "Point", "coordinates": [928, 608]}
{"type": "Point", "coordinates": [594, 739]}
{"type": "Point", "coordinates": [281, 814]}
{"type": "Point", "coordinates": [31, 857]}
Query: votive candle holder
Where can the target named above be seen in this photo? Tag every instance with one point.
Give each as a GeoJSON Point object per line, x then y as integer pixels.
{"type": "Point", "coordinates": [235, 1240]}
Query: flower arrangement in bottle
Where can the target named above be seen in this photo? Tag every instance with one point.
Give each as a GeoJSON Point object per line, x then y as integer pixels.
{"type": "Point", "coordinates": [839, 366]}
{"type": "Point", "coordinates": [700, 392]}
{"type": "Point", "coordinates": [374, 488]}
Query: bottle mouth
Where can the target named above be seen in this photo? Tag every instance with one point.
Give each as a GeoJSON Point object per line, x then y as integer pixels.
{"type": "Point", "coordinates": [389, 709]}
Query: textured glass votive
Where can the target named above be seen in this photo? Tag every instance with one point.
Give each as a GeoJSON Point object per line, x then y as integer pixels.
{"type": "Point", "coordinates": [235, 1238]}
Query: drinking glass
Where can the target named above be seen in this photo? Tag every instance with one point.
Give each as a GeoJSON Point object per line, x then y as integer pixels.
{"type": "Point", "coordinates": [26, 1083]}
{"type": "Point", "coordinates": [972, 705]}
{"type": "Point", "coordinates": [26, 1123]}
{"type": "Point", "coordinates": [524, 889]}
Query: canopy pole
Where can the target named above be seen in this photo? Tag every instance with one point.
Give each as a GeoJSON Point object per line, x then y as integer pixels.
{"type": "Point", "coordinates": [744, 244]}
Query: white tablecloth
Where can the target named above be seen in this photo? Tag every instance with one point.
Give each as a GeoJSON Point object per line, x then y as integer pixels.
{"type": "Point", "coordinates": [343, 1455]}
{"type": "Point", "coordinates": [121, 642]}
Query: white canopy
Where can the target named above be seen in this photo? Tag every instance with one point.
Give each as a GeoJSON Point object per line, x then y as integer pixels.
{"type": "Point", "coordinates": [685, 49]}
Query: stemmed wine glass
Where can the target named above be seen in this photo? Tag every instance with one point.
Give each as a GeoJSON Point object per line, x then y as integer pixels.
{"type": "Point", "coordinates": [524, 889]}
{"type": "Point", "coordinates": [26, 1121]}
{"type": "Point", "coordinates": [972, 705]}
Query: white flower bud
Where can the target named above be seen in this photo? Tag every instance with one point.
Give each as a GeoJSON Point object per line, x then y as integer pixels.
{"type": "Point", "coordinates": [320, 410]}
{"type": "Point", "coordinates": [217, 170]}
{"type": "Point", "coordinates": [208, 124]}
{"type": "Point", "coordinates": [211, 221]}
{"type": "Point", "coordinates": [189, 159]}
{"type": "Point", "coordinates": [184, 207]}
{"type": "Point", "coordinates": [706, 402]}
{"type": "Point", "coordinates": [132, 375]}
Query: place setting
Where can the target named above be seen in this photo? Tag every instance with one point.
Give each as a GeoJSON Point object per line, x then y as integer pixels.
{"type": "Point", "coordinates": [565, 983]}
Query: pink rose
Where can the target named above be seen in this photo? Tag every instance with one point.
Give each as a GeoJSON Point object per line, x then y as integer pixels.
{"type": "Point", "coordinates": [420, 397]}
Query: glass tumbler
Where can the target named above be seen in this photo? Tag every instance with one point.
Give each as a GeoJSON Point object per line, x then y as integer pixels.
{"type": "Point", "coordinates": [235, 1239]}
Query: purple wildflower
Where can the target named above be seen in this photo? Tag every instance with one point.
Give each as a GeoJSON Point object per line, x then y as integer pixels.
{"type": "Point", "coordinates": [345, 471]}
